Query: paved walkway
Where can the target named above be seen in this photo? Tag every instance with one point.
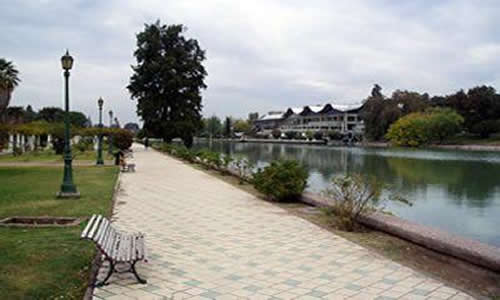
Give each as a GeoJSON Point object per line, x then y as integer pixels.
{"type": "Point", "coordinates": [210, 240]}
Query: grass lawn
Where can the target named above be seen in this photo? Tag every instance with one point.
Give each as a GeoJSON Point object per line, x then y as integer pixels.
{"type": "Point", "coordinates": [51, 156]}
{"type": "Point", "coordinates": [49, 263]}
{"type": "Point", "coordinates": [493, 140]}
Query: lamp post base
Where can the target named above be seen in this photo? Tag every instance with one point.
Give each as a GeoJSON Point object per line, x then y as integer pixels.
{"type": "Point", "coordinates": [68, 195]}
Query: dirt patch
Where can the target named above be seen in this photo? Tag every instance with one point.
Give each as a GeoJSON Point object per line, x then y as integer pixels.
{"type": "Point", "coordinates": [45, 221]}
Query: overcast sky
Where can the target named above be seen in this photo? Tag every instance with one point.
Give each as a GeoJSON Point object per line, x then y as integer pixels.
{"type": "Point", "coordinates": [261, 55]}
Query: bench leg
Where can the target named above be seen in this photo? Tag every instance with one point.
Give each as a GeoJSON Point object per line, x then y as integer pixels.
{"type": "Point", "coordinates": [111, 270]}
{"type": "Point", "coordinates": [132, 268]}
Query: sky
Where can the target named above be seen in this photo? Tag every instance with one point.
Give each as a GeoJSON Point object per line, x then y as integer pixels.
{"type": "Point", "coordinates": [261, 55]}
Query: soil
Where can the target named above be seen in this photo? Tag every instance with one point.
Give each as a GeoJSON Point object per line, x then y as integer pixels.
{"type": "Point", "coordinates": [40, 221]}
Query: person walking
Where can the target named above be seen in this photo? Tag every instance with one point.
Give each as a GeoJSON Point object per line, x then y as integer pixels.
{"type": "Point", "coordinates": [146, 143]}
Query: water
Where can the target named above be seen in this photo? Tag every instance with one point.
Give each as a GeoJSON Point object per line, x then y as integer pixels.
{"type": "Point", "coordinates": [457, 191]}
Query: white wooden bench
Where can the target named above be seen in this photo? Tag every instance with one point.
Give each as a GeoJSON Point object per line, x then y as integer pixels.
{"type": "Point", "coordinates": [117, 247]}
{"type": "Point", "coordinates": [128, 167]}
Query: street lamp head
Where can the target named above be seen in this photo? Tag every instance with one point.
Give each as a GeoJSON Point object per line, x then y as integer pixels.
{"type": "Point", "coordinates": [67, 61]}
{"type": "Point", "coordinates": [100, 102]}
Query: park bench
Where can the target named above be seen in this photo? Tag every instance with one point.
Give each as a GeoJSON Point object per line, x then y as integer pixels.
{"type": "Point", "coordinates": [128, 167]}
{"type": "Point", "coordinates": [117, 247]}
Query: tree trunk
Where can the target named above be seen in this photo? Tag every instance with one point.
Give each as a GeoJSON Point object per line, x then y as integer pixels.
{"type": "Point", "coordinates": [4, 100]}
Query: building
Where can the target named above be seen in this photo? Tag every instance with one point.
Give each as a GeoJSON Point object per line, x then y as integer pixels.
{"type": "Point", "coordinates": [328, 117]}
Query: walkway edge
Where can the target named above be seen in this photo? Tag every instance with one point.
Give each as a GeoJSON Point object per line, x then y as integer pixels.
{"type": "Point", "coordinates": [474, 252]}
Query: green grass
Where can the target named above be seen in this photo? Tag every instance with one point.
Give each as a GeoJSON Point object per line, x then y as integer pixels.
{"type": "Point", "coordinates": [51, 157]}
{"type": "Point", "coordinates": [48, 263]}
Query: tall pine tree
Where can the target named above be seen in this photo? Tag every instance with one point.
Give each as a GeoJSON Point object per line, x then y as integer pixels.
{"type": "Point", "coordinates": [167, 82]}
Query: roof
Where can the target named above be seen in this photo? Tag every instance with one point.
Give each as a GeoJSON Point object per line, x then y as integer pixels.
{"type": "Point", "coordinates": [275, 115]}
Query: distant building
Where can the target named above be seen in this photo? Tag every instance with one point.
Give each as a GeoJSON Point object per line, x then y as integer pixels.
{"type": "Point", "coordinates": [328, 117]}
{"type": "Point", "coordinates": [268, 122]}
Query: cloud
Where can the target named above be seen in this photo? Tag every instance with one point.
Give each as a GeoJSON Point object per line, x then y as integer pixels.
{"type": "Point", "coordinates": [261, 55]}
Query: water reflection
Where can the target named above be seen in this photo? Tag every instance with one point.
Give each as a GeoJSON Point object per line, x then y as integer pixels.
{"type": "Point", "coordinates": [455, 190]}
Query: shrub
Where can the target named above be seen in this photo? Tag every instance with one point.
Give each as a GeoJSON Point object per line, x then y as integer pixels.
{"type": "Point", "coordinates": [283, 180]}
{"type": "Point", "coordinates": [122, 138]}
{"type": "Point", "coordinates": [276, 133]}
{"type": "Point", "coordinates": [351, 196]}
{"type": "Point", "coordinates": [84, 144]}
{"type": "Point", "coordinates": [309, 135]}
{"type": "Point", "coordinates": [335, 135]}
{"type": "Point", "coordinates": [290, 135]}
{"type": "Point", "coordinates": [419, 128]}
{"type": "Point", "coordinates": [318, 135]}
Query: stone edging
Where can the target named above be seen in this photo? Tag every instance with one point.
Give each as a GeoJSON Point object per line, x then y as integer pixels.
{"type": "Point", "coordinates": [443, 242]}
{"type": "Point", "coordinates": [96, 262]}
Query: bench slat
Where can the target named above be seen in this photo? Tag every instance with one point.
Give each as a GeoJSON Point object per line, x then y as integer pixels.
{"type": "Point", "coordinates": [100, 231]}
{"type": "Point", "coordinates": [109, 242]}
{"type": "Point", "coordinates": [94, 228]}
{"type": "Point", "coordinates": [116, 246]}
{"type": "Point", "coordinates": [133, 251]}
{"type": "Point", "coordinates": [140, 247]}
{"type": "Point", "coordinates": [104, 235]}
{"type": "Point", "coordinates": [87, 228]}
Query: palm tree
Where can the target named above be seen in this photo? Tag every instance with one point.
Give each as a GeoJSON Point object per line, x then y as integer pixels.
{"type": "Point", "coordinates": [8, 81]}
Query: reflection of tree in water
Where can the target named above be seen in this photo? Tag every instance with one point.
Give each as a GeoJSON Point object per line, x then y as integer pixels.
{"type": "Point", "coordinates": [471, 183]}
{"type": "Point", "coordinates": [466, 182]}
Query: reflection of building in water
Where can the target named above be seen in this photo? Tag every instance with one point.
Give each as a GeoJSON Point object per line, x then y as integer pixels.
{"type": "Point", "coordinates": [329, 117]}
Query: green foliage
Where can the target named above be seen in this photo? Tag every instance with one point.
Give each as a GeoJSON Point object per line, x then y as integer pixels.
{"type": "Point", "coordinates": [318, 135]}
{"type": "Point", "coordinates": [418, 129]}
{"type": "Point", "coordinates": [486, 128]}
{"type": "Point", "coordinates": [379, 112]}
{"type": "Point", "coordinates": [167, 82]}
{"type": "Point", "coordinates": [335, 135]}
{"type": "Point", "coordinates": [227, 128]}
{"type": "Point", "coordinates": [276, 133]}
{"type": "Point", "coordinates": [242, 126]}
{"type": "Point", "coordinates": [212, 126]}
{"type": "Point", "coordinates": [290, 135]}
{"type": "Point", "coordinates": [352, 195]}
{"type": "Point", "coordinates": [9, 79]}
{"type": "Point", "coordinates": [84, 144]}
{"type": "Point", "coordinates": [122, 138]}
{"type": "Point", "coordinates": [283, 180]}
{"type": "Point", "coordinates": [309, 135]}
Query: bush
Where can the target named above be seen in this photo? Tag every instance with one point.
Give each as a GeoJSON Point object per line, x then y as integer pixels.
{"type": "Point", "coordinates": [419, 128]}
{"type": "Point", "coordinates": [318, 135]}
{"type": "Point", "coordinates": [84, 144]}
{"type": "Point", "coordinates": [283, 180]}
{"type": "Point", "coordinates": [309, 135]}
{"type": "Point", "coordinates": [244, 168]}
{"type": "Point", "coordinates": [122, 138]}
{"type": "Point", "coordinates": [276, 133]}
{"type": "Point", "coordinates": [335, 135]}
{"type": "Point", "coordinates": [351, 196]}
{"type": "Point", "coordinates": [290, 135]}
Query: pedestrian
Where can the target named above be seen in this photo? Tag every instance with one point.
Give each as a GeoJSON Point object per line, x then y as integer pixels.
{"type": "Point", "coordinates": [146, 143]}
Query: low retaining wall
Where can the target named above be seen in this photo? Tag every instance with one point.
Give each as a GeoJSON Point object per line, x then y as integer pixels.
{"type": "Point", "coordinates": [443, 242]}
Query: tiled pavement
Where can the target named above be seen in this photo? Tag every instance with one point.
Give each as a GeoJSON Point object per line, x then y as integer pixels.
{"type": "Point", "coordinates": [210, 240]}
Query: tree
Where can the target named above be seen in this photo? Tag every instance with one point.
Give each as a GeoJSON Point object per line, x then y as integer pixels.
{"type": "Point", "coordinates": [242, 126]}
{"type": "Point", "coordinates": [213, 126]}
{"type": "Point", "coordinates": [133, 127]}
{"type": "Point", "coordinates": [9, 79]}
{"type": "Point", "coordinates": [51, 114]}
{"type": "Point", "coordinates": [420, 128]}
{"type": "Point", "coordinates": [227, 127]}
{"type": "Point", "coordinates": [167, 82]}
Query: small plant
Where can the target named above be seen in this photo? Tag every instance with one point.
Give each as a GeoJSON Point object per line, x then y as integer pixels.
{"type": "Point", "coordinates": [283, 180]}
{"type": "Point", "coordinates": [352, 195]}
{"type": "Point", "coordinates": [226, 162]}
{"type": "Point", "coordinates": [276, 133]}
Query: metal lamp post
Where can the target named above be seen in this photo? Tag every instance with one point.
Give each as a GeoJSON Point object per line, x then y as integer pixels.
{"type": "Point", "coordinates": [68, 189]}
{"type": "Point", "coordinates": [110, 140]}
{"type": "Point", "coordinates": [100, 161]}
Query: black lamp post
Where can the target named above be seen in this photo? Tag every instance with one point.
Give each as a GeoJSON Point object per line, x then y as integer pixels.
{"type": "Point", "coordinates": [110, 139]}
{"type": "Point", "coordinates": [68, 189]}
{"type": "Point", "coordinates": [100, 162]}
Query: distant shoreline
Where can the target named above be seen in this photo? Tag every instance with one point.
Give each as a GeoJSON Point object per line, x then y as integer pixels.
{"type": "Point", "coordinates": [466, 147]}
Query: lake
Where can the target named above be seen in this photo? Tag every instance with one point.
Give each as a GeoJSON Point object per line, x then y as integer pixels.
{"type": "Point", "coordinates": [457, 191]}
